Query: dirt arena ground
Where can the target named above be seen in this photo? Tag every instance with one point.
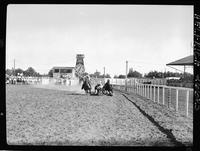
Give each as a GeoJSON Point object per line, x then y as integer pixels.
{"type": "Point", "coordinates": [60, 115]}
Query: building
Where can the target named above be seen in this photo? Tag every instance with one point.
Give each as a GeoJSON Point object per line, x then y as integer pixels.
{"type": "Point", "coordinates": [70, 72]}
{"type": "Point", "coordinates": [67, 72]}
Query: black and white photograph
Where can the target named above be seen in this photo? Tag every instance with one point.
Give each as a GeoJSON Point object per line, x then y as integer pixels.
{"type": "Point", "coordinates": [99, 75]}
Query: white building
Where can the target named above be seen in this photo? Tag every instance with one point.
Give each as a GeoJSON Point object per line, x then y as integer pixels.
{"type": "Point", "coordinates": [67, 72]}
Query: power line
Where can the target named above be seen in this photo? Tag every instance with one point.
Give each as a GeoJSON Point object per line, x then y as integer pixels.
{"type": "Point", "coordinates": [14, 66]}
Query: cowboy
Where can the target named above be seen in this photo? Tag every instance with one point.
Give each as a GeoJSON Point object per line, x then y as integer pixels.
{"type": "Point", "coordinates": [87, 85]}
{"type": "Point", "coordinates": [107, 87]}
{"type": "Point", "coordinates": [98, 87]}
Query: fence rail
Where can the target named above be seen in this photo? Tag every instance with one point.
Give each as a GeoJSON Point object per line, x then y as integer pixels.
{"type": "Point", "coordinates": [179, 99]}
{"type": "Point", "coordinates": [45, 80]}
{"type": "Point", "coordinates": [131, 81]}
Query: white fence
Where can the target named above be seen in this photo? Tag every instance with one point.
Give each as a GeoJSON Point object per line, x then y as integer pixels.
{"type": "Point", "coordinates": [59, 81]}
{"type": "Point", "coordinates": [176, 98]}
{"type": "Point", "coordinates": [131, 81]}
{"type": "Point", "coordinates": [48, 80]}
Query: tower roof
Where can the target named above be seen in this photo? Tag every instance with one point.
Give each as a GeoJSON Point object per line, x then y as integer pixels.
{"type": "Point", "coordinates": [80, 56]}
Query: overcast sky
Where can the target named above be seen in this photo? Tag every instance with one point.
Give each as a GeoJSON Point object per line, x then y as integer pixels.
{"type": "Point", "coordinates": [148, 36]}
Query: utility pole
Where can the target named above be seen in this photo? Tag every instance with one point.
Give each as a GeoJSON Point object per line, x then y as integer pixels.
{"type": "Point", "coordinates": [104, 72]}
{"type": "Point", "coordinates": [14, 67]}
{"type": "Point", "coordinates": [184, 72]}
{"type": "Point", "coordinates": [126, 75]}
{"type": "Point", "coordinates": [191, 50]}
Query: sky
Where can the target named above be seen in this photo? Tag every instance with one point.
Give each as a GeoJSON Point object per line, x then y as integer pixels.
{"type": "Point", "coordinates": [147, 36]}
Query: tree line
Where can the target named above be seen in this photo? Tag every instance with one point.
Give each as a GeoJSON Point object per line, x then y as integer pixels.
{"type": "Point", "coordinates": [132, 73]}
{"type": "Point", "coordinates": [135, 74]}
{"type": "Point", "coordinates": [153, 74]}
{"type": "Point", "coordinates": [98, 74]}
{"type": "Point", "coordinates": [28, 72]}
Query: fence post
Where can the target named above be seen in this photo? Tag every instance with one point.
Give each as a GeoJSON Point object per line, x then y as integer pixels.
{"type": "Point", "coordinates": [139, 89]}
{"type": "Point", "coordinates": [177, 100]}
{"type": "Point", "coordinates": [150, 92]}
{"type": "Point", "coordinates": [136, 88]}
{"type": "Point", "coordinates": [154, 93]}
{"type": "Point", "coordinates": [169, 98]}
{"type": "Point", "coordinates": [187, 102]}
{"type": "Point", "coordinates": [146, 95]}
{"type": "Point", "coordinates": [163, 95]}
{"type": "Point", "coordinates": [142, 89]}
{"type": "Point", "coordinates": [147, 91]}
{"type": "Point", "coordinates": [158, 94]}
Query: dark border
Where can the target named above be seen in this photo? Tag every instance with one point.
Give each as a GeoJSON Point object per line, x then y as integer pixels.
{"type": "Point", "coordinates": [3, 14]}
{"type": "Point", "coordinates": [146, 2]}
{"type": "Point", "coordinates": [196, 94]}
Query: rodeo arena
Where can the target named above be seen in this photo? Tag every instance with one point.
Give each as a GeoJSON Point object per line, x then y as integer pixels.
{"type": "Point", "coordinates": [72, 108]}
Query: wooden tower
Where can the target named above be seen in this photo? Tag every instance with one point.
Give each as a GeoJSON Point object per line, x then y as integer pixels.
{"type": "Point", "coordinates": [79, 68]}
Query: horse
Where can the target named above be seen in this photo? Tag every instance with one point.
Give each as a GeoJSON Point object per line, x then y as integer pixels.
{"type": "Point", "coordinates": [107, 88]}
{"type": "Point", "coordinates": [87, 86]}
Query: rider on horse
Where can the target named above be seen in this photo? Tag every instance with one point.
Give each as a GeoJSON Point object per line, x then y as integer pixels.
{"type": "Point", "coordinates": [98, 88]}
{"type": "Point", "coordinates": [87, 85]}
{"type": "Point", "coordinates": [108, 87]}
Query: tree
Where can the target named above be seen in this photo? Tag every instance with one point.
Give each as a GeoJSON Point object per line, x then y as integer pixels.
{"type": "Point", "coordinates": [134, 73]}
{"type": "Point", "coordinates": [9, 71]}
{"type": "Point", "coordinates": [157, 74]}
{"type": "Point", "coordinates": [154, 74]}
{"type": "Point", "coordinates": [107, 76]}
{"type": "Point", "coordinates": [115, 77]}
{"type": "Point", "coordinates": [97, 74]}
{"type": "Point", "coordinates": [30, 72]}
{"type": "Point", "coordinates": [50, 73]}
{"type": "Point", "coordinates": [18, 71]}
{"type": "Point", "coordinates": [122, 76]}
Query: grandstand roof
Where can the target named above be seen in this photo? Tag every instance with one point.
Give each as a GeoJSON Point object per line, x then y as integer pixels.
{"type": "Point", "coordinates": [186, 61]}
